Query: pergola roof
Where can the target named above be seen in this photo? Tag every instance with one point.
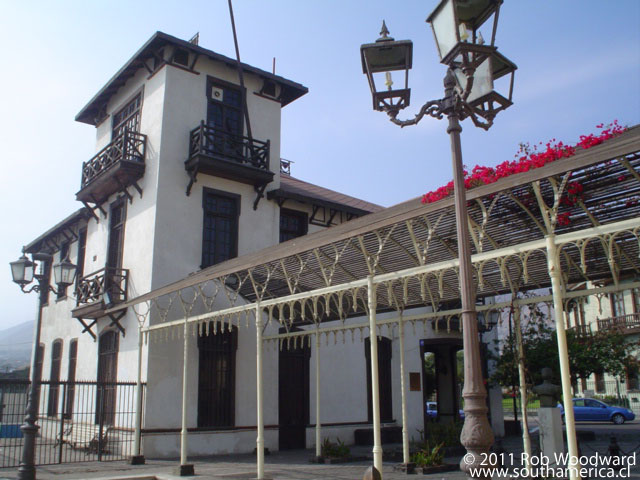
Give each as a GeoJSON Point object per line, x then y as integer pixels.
{"type": "Point", "coordinates": [411, 250]}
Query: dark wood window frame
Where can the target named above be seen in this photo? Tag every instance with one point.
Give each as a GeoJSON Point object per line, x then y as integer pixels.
{"type": "Point", "coordinates": [117, 124]}
{"type": "Point", "coordinates": [222, 84]}
{"type": "Point", "coordinates": [71, 378]}
{"type": "Point", "coordinates": [234, 219]}
{"type": "Point", "coordinates": [286, 231]}
{"type": "Point", "coordinates": [635, 295]}
{"type": "Point", "coordinates": [54, 377]}
{"type": "Point", "coordinates": [119, 203]}
{"type": "Point", "coordinates": [107, 376]}
{"type": "Point", "coordinates": [617, 304]}
{"type": "Point", "coordinates": [217, 378]}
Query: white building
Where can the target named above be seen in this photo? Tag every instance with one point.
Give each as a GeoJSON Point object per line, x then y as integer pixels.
{"type": "Point", "coordinates": [179, 182]}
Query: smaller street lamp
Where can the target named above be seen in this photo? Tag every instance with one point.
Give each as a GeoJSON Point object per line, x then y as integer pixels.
{"type": "Point", "coordinates": [23, 271]}
{"type": "Point", "coordinates": [385, 56]}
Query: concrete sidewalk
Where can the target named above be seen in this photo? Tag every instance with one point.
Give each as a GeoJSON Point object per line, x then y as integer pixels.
{"type": "Point", "coordinates": [280, 465]}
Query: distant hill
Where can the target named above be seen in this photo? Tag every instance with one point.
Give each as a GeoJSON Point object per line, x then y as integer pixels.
{"type": "Point", "coordinates": [15, 346]}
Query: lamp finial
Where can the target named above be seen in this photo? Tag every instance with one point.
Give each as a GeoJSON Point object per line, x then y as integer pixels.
{"type": "Point", "coordinates": [384, 34]}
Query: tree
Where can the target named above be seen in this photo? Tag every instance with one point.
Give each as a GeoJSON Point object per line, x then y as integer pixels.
{"type": "Point", "coordinates": [601, 352]}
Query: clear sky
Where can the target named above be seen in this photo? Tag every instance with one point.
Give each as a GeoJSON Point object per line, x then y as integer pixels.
{"type": "Point", "coordinates": [578, 65]}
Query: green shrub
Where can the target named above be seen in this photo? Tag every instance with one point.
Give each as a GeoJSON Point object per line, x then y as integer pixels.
{"type": "Point", "coordinates": [334, 450]}
{"type": "Point", "coordinates": [429, 458]}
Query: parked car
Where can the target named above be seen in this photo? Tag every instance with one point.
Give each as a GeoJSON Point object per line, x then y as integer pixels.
{"type": "Point", "coordinates": [592, 410]}
{"type": "Point", "coordinates": [431, 409]}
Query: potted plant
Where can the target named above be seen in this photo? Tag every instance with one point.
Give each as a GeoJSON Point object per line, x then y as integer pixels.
{"type": "Point", "coordinates": [431, 460]}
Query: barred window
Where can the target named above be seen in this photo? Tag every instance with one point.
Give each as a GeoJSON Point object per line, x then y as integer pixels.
{"type": "Point", "coordinates": [220, 227]}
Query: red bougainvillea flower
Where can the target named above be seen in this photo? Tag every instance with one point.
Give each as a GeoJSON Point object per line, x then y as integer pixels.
{"type": "Point", "coordinates": [529, 158]}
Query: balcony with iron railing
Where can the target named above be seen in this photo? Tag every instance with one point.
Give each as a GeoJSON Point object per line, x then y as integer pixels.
{"type": "Point", "coordinates": [213, 151]}
{"type": "Point", "coordinates": [118, 165]}
{"type": "Point", "coordinates": [100, 290]}
{"type": "Point", "coordinates": [624, 323]}
{"type": "Point", "coordinates": [581, 330]}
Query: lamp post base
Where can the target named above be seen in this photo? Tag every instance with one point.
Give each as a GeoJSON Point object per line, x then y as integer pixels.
{"type": "Point", "coordinates": [137, 460]}
{"type": "Point", "coordinates": [184, 470]}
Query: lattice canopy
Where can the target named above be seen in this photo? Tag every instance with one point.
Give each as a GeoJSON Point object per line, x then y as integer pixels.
{"type": "Point", "coordinates": [410, 249]}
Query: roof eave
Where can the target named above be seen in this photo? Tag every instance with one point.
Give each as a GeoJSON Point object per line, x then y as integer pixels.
{"type": "Point", "coordinates": [290, 90]}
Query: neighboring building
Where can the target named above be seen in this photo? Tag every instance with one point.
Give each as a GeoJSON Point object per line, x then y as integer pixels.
{"type": "Point", "coordinates": [619, 312]}
{"type": "Point", "coordinates": [177, 185]}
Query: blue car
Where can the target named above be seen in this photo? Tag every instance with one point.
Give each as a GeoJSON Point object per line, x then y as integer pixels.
{"type": "Point", "coordinates": [591, 410]}
{"type": "Point", "coordinates": [431, 409]}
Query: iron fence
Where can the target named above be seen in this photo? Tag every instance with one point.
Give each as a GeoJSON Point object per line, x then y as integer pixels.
{"type": "Point", "coordinates": [79, 421]}
{"type": "Point", "coordinates": [612, 392]}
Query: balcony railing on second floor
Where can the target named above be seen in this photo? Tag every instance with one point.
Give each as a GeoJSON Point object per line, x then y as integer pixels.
{"type": "Point", "coordinates": [107, 285]}
{"type": "Point", "coordinates": [624, 323]}
{"type": "Point", "coordinates": [216, 143]}
{"type": "Point", "coordinates": [128, 146]}
{"type": "Point", "coordinates": [114, 168]}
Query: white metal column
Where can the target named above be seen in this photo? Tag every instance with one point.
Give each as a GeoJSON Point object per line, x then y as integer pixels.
{"type": "Point", "coordinates": [563, 353]}
{"type": "Point", "coordinates": [526, 439]}
{"type": "Point", "coordinates": [403, 388]}
{"type": "Point", "coordinates": [318, 426]}
{"type": "Point", "coordinates": [137, 451]}
{"type": "Point", "coordinates": [375, 389]}
{"type": "Point", "coordinates": [185, 364]}
{"type": "Point", "coordinates": [259, 395]}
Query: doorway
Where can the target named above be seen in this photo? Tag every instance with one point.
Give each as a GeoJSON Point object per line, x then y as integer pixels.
{"type": "Point", "coordinates": [293, 396]}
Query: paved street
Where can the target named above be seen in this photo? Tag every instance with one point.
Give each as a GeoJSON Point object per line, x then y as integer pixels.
{"type": "Point", "coordinates": [296, 465]}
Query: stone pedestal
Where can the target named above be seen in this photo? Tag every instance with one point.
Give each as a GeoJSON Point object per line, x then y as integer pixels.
{"type": "Point", "coordinates": [551, 441]}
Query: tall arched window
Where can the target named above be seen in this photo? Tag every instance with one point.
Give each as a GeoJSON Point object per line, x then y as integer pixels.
{"type": "Point", "coordinates": [216, 378]}
{"type": "Point", "coordinates": [54, 378]}
{"type": "Point", "coordinates": [71, 378]}
{"type": "Point", "coordinates": [107, 377]}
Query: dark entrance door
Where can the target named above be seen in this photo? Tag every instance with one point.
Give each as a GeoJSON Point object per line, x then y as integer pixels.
{"type": "Point", "coordinates": [107, 378]}
{"type": "Point", "coordinates": [293, 396]}
{"type": "Point", "coordinates": [384, 379]}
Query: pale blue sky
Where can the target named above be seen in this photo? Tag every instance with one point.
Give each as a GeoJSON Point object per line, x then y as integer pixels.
{"type": "Point", "coordinates": [578, 65]}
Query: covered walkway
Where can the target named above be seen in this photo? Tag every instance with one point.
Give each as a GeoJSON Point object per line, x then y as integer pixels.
{"type": "Point", "coordinates": [530, 231]}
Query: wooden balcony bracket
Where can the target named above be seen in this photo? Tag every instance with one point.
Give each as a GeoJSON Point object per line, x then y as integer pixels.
{"type": "Point", "coordinates": [115, 320]}
{"type": "Point", "coordinates": [193, 174]}
{"type": "Point", "coordinates": [88, 328]}
{"type": "Point", "coordinates": [259, 194]}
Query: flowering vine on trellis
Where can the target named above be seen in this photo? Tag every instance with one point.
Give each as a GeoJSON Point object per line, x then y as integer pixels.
{"type": "Point", "coordinates": [530, 158]}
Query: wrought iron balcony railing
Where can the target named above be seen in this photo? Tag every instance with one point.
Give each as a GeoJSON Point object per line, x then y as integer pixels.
{"type": "Point", "coordinates": [127, 147]}
{"type": "Point", "coordinates": [622, 323]}
{"type": "Point", "coordinates": [107, 285]}
{"type": "Point", "coordinates": [581, 330]}
{"type": "Point", "coordinates": [212, 142]}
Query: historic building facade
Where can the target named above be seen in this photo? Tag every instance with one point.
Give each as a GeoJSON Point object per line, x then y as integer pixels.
{"type": "Point", "coordinates": [187, 175]}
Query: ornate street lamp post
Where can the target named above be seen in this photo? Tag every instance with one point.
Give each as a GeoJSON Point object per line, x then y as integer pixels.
{"type": "Point", "coordinates": [23, 272]}
{"type": "Point", "coordinates": [473, 67]}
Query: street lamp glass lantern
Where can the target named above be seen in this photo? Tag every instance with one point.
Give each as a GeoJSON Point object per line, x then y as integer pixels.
{"type": "Point", "coordinates": [456, 27]}
{"type": "Point", "coordinates": [64, 273]}
{"type": "Point", "coordinates": [486, 94]}
{"type": "Point", "coordinates": [22, 271]}
{"type": "Point", "coordinates": [379, 59]}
